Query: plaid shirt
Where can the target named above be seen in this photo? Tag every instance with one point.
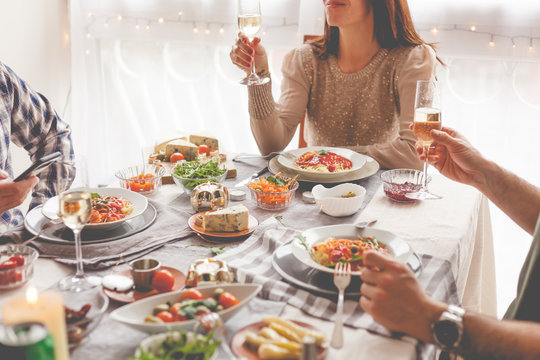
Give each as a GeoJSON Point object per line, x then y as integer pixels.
{"type": "Point", "coordinates": [28, 120]}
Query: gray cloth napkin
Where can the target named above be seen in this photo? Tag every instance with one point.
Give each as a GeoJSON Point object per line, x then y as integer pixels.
{"type": "Point", "coordinates": [170, 225]}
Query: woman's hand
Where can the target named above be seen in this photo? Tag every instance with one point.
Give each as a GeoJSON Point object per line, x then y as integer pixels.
{"type": "Point", "coordinates": [244, 52]}
{"type": "Point", "coordinates": [12, 194]}
{"type": "Point", "coordinates": [454, 157]}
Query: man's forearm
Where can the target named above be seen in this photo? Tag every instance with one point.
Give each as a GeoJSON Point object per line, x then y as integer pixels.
{"type": "Point", "coordinates": [489, 338]}
{"type": "Point", "coordinates": [513, 195]}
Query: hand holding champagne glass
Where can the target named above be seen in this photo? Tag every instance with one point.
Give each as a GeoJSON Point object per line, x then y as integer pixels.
{"type": "Point", "coordinates": [250, 23]}
{"type": "Point", "coordinates": [427, 116]}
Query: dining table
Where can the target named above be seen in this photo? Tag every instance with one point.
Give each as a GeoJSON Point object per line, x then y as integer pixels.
{"type": "Point", "coordinates": [451, 237]}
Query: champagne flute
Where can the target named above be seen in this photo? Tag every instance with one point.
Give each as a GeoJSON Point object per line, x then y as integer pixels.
{"type": "Point", "coordinates": [250, 23]}
{"type": "Point", "coordinates": [427, 116]}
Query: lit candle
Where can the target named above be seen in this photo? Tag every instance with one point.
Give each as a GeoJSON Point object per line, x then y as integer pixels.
{"type": "Point", "coordinates": [207, 267]}
{"type": "Point", "coordinates": [46, 308]}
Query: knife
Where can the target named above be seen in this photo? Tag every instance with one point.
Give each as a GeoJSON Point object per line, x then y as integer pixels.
{"type": "Point", "coordinates": [254, 175]}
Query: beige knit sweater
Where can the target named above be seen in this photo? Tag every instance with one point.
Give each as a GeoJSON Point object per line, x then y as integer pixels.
{"type": "Point", "coordinates": [368, 111]}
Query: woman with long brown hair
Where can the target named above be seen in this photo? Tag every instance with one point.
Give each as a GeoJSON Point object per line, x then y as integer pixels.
{"type": "Point", "coordinates": [357, 83]}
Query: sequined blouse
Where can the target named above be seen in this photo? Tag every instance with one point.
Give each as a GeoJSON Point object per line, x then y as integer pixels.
{"type": "Point", "coordinates": [368, 111]}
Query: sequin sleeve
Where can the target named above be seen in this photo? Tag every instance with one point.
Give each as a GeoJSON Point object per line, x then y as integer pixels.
{"type": "Point", "coordinates": [418, 64]}
{"type": "Point", "coordinates": [273, 124]}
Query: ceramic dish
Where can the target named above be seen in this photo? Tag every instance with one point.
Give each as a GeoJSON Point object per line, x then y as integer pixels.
{"type": "Point", "coordinates": [306, 277]}
{"type": "Point", "coordinates": [222, 236]}
{"type": "Point", "coordinates": [133, 314]}
{"type": "Point", "coordinates": [398, 247]}
{"type": "Point", "coordinates": [134, 295]}
{"type": "Point", "coordinates": [152, 343]}
{"type": "Point", "coordinates": [288, 160]}
{"type": "Point", "coordinates": [341, 200]}
{"type": "Point", "coordinates": [370, 168]}
{"type": "Point", "coordinates": [240, 349]}
{"type": "Point", "coordinates": [139, 202]}
{"type": "Point", "coordinates": [36, 223]}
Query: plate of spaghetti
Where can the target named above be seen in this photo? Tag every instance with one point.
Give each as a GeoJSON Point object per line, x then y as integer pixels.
{"type": "Point", "coordinates": [110, 207]}
{"type": "Point", "coordinates": [323, 247]}
{"type": "Point", "coordinates": [324, 162]}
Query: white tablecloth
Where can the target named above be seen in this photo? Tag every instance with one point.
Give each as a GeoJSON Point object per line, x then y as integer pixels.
{"type": "Point", "coordinates": [456, 228]}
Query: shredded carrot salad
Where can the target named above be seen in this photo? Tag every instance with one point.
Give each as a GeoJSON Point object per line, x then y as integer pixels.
{"type": "Point", "coordinates": [332, 251]}
{"type": "Point", "coordinates": [273, 190]}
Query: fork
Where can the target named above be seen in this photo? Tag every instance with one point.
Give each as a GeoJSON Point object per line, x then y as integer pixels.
{"type": "Point", "coordinates": [342, 279]}
{"type": "Point", "coordinates": [265, 157]}
{"type": "Point", "coordinates": [212, 322]}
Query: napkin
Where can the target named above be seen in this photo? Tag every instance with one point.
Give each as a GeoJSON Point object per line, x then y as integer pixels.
{"type": "Point", "coordinates": [170, 225]}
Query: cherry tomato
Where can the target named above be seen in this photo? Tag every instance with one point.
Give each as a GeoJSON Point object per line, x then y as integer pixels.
{"type": "Point", "coordinates": [193, 294]}
{"type": "Point", "coordinates": [227, 300]}
{"type": "Point", "coordinates": [165, 316]}
{"type": "Point", "coordinates": [8, 264]}
{"type": "Point", "coordinates": [148, 176]}
{"type": "Point", "coordinates": [163, 281]}
{"type": "Point", "coordinates": [148, 186]}
{"type": "Point", "coordinates": [180, 317]}
{"type": "Point", "coordinates": [204, 149]}
{"type": "Point", "coordinates": [175, 308]}
{"type": "Point", "coordinates": [18, 258]}
{"type": "Point", "coordinates": [177, 157]}
{"type": "Point", "coordinates": [202, 310]}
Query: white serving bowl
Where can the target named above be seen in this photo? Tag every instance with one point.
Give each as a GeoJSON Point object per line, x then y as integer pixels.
{"type": "Point", "coordinates": [133, 314]}
{"type": "Point", "coordinates": [330, 201]}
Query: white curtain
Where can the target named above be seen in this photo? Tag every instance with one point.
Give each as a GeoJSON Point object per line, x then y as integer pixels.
{"type": "Point", "coordinates": [144, 70]}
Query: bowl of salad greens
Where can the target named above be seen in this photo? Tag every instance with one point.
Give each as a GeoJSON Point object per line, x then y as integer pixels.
{"type": "Point", "coordinates": [188, 174]}
{"type": "Point", "coordinates": [178, 345]}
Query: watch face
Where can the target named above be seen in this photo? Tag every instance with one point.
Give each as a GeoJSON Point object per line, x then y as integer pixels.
{"type": "Point", "coordinates": [446, 332]}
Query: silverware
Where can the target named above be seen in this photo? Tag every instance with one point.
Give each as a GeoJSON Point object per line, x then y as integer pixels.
{"type": "Point", "coordinates": [265, 157]}
{"type": "Point", "coordinates": [342, 279]}
{"type": "Point", "coordinates": [253, 176]}
{"type": "Point", "coordinates": [45, 227]}
{"type": "Point", "coordinates": [364, 224]}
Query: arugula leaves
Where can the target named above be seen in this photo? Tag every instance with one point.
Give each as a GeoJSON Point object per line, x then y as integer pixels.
{"type": "Point", "coordinates": [322, 152]}
{"type": "Point", "coordinates": [303, 240]}
{"type": "Point", "coordinates": [276, 181]}
{"type": "Point", "coordinates": [214, 249]}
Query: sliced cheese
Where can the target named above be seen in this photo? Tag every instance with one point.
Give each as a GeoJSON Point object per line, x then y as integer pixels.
{"type": "Point", "coordinates": [211, 142]}
{"type": "Point", "coordinates": [189, 150]}
{"type": "Point", "coordinates": [161, 147]}
{"type": "Point", "coordinates": [233, 219]}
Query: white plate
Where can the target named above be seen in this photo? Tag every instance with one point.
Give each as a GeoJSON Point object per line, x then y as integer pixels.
{"type": "Point", "coordinates": [370, 167]}
{"type": "Point", "coordinates": [288, 161]}
{"type": "Point", "coordinates": [151, 343]}
{"type": "Point", "coordinates": [139, 202]}
{"type": "Point", "coordinates": [398, 247]}
{"type": "Point", "coordinates": [133, 314]}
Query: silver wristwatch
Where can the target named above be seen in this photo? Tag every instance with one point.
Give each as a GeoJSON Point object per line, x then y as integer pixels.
{"type": "Point", "coordinates": [447, 332]}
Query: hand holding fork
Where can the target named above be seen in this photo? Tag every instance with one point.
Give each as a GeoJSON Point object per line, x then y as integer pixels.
{"type": "Point", "coordinates": [342, 279]}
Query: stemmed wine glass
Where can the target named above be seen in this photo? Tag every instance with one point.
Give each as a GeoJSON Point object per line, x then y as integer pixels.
{"type": "Point", "coordinates": [427, 116]}
{"type": "Point", "coordinates": [250, 23]}
{"type": "Point", "coordinates": [75, 210]}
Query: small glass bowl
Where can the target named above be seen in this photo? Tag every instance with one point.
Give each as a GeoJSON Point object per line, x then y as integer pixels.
{"type": "Point", "coordinates": [78, 329]}
{"type": "Point", "coordinates": [274, 201]}
{"type": "Point", "coordinates": [16, 276]}
{"type": "Point", "coordinates": [189, 184]}
{"type": "Point", "coordinates": [398, 183]}
{"type": "Point", "coordinates": [143, 179]}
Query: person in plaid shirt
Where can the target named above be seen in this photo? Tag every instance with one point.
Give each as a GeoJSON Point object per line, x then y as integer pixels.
{"type": "Point", "coordinates": [27, 119]}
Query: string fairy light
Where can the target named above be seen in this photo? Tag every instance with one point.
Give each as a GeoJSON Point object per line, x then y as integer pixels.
{"type": "Point", "coordinates": [434, 30]}
{"type": "Point", "coordinates": [161, 20]}
{"type": "Point", "coordinates": [531, 47]}
{"type": "Point", "coordinates": [195, 29]}
{"type": "Point", "coordinates": [473, 27]}
{"type": "Point", "coordinates": [221, 29]}
{"type": "Point", "coordinates": [207, 30]}
{"type": "Point", "coordinates": [119, 17]}
{"type": "Point", "coordinates": [492, 41]}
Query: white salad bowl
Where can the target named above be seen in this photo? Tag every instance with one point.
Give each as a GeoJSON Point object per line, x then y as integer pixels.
{"type": "Point", "coordinates": [133, 314]}
{"type": "Point", "coordinates": [331, 202]}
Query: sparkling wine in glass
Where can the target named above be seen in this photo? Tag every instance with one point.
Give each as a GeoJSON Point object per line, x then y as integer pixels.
{"type": "Point", "coordinates": [427, 116]}
{"type": "Point", "coordinates": [75, 211]}
{"type": "Point", "coordinates": [250, 23]}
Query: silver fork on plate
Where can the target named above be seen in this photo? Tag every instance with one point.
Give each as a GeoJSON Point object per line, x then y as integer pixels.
{"type": "Point", "coordinates": [342, 279]}
{"type": "Point", "coordinates": [212, 322]}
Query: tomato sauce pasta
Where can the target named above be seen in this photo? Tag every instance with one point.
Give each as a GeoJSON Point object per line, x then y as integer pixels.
{"type": "Point", "coordinates": [332, 251]}
{"type": "Point", "coordinates": [109, 208]}
{"type": "Point", "coordinates": [323, 161]}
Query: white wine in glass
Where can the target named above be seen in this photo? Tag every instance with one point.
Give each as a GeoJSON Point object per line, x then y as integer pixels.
{"type": "Point", "coordinates": [75, 211]}
{"type": "Point", "coordinates": [427, 117]}
{"type": "Point", "coordinates": [250, 23]}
